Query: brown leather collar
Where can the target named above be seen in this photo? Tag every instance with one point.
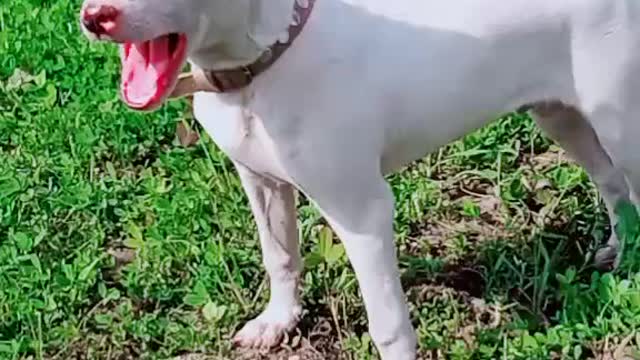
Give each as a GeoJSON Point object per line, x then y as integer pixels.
{"type": "Point", "coordinates": [221, 81]}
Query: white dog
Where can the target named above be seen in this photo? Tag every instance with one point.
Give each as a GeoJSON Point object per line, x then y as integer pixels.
{"type": "Point", "coordinates": [329, 106]}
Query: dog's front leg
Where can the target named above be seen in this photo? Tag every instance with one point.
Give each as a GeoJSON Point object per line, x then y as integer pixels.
{"type": "Point", "coordinates": [360, 209]}
{"type": "Point", "coordinates": [273, 207]}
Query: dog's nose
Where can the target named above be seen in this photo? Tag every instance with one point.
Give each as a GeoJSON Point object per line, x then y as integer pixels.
{"type": "Point", "coordinates": [101, 19]}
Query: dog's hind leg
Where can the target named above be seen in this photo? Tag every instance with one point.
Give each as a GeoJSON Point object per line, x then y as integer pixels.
{"type": "Point", "coordinates": [606, 72]}
{"type": "Point", "coordinates": [273, 206]}
{"type": "Point", "coordinates": [568, 127]}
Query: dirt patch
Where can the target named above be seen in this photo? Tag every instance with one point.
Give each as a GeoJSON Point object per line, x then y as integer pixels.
{"type": "Point", "coordinates": [315, 338]}
{"type": "Point", "coordinates": [617, 348]}
{"type": "Point", "coordinates": [476, 315]}
{"type": "Point", "coordinates": [318, 343]}
{"type": "Point", "coordinates": [302, 349]}
{"type": "Point", "coordinates": [437, 234]}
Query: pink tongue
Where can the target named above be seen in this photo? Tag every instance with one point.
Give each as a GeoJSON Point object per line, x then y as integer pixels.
{"type": "Point", "coordinates": [144, 71]}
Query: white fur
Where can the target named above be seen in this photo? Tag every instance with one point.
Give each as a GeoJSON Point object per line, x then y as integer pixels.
{"type": "Point", "coordinates": [371, 85]}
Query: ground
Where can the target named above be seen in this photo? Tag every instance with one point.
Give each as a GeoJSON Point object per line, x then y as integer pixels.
{"type": "Point", "coordinates": [127, 235]}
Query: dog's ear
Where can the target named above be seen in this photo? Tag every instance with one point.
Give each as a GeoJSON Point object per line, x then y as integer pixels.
{"type": "Point", "coordinates": [269, 21]}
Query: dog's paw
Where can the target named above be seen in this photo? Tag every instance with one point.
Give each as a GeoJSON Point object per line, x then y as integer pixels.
{"type": "Point", "coordinates": [607, 258]}
{"type": "Point", "coordinates": [268, 329]}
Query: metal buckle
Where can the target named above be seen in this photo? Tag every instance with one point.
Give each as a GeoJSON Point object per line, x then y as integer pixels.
{"type": "Point", "coordinates": [248, 73]}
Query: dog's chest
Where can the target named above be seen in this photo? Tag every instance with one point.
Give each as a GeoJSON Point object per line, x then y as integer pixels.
{"type": "Point", "coordinates": [240, 134]}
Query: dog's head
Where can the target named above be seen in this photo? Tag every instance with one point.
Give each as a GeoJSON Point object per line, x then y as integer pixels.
{"type": "Point", "coordinates": [157, 36]}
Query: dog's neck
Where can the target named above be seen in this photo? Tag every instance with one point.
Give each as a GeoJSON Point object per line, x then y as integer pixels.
{"type": "Point", "coordinates": [247, 29]}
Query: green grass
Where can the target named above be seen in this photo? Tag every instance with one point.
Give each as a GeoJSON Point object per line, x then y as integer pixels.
{"type": "Point", "coordinates": [117, 242]}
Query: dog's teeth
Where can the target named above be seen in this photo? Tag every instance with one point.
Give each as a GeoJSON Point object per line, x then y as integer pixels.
{"type": "Point", "coordinates": [284, 37]}
{"type": "Point", "coordinates": [303, 3]}
{"type": "Point", "coordinates": [92, 10]}
{"type": "Point", "coordinates": [295, 21]}
{"type": "Point", "coordinates": [266, 56]}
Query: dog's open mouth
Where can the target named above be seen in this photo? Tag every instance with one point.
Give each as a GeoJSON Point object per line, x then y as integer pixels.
{"type": "Point", "coordinates": [150, 69]}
